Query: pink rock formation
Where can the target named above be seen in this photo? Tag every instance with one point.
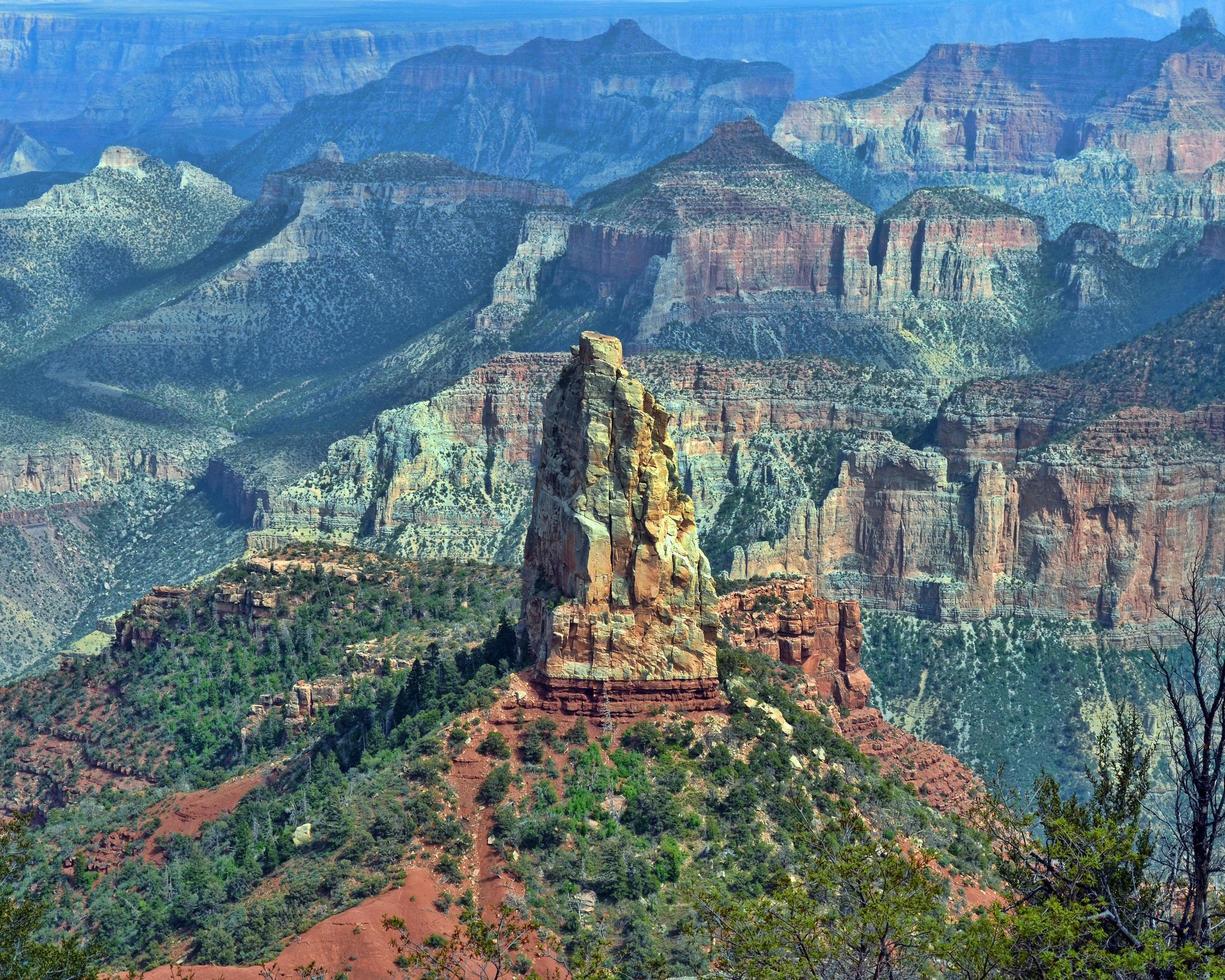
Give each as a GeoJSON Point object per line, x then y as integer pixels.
{"type": "Point", "coordinates": [618, 600]}
{"type": "Point", "coordinates": [785, 620]}
{"type": "Point", "coordinates": [1018, 108]}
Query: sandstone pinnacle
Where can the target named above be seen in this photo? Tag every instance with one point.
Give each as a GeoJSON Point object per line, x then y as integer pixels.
{"type": "Point", "coordinates": [618, 599]}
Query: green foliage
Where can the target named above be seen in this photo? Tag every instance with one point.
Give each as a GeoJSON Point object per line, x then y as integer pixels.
{"type": "Point", "coordinates": [1008, 694]}
{"type": "Point", "coordinates": [495, 746]}
{"type": "Point", "coordinates": [24, 952]}
{"type": "Point", "coordinates": [364, 774]}
{"type": "Point", "coordinates": [186, 696]}
{"type": "Point", "coordinates": [668, 813]}
{"type": "Point", "coordinates": [495, 786]}
{"type": "Point", "coordinates": [535, 739]}
{"type": "Point", "coordinates": [858, 909]}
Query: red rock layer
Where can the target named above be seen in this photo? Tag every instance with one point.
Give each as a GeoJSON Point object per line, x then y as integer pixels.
{"type": "Point", "coordinates": [947, 258]}
{"type": "Point", "coordinates": [942, 781]}
{"type": "Point", "coordinates": [1017, 108]}
{"type": "Point", "coordinates": [626, 699]}
{"type": "Point", "coordinates": [784, 619]}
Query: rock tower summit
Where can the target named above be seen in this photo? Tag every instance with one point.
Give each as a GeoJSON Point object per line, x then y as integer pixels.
{"type": "Point", "coordinates": [618, 599]}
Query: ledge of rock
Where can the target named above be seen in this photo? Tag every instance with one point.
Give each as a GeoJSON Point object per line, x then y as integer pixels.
{"type": "Point", "coordinates": [784, 619]}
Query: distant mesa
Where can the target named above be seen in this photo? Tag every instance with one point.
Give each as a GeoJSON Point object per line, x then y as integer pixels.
{"type": "Point", "coordinates": [1083, 129]}
{"type": "Point", "coordinates": [576, 114]}
{"type": "Point", "coordinates": [737, 222]}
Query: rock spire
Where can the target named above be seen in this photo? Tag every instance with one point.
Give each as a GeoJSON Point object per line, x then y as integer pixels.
{"type": "Point", "coordinates": [618, 599]}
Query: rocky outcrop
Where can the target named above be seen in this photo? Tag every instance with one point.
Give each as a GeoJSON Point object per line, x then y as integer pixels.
{"type": "Point", "coordinates": [543, 238]}
{"type": "Point", "coordinates": [89, 242]}
{"type": "Point", "coordinates": [1044, 496]}
{"type": "Point", "coordinates": [21, 153]}
{"type": "Point", "coordinates": [1111, 131]}
{"type": "Point", "coordinates": [544, 111]}
{"type": "Point", "coordinates": [454, 473]}
{"type": "Point", "coordinates": [734, 218]}
{"type": "Point", "coordinates": [1100, 528]}
{"type": "Point", "coordinates": [737, 228]}
{"type": "Point", "coordinates": [1021, 107]}
{"type": "Point", "coordinates": [943, 244]}
{"type": "Point", "coordinates": [942, 781]}
{"type": "Point", "coordinates": [618, 599]}
{"type": "Point", "coordinates": [784, 619]}
{"type": "Point", "coordinates": [80, 470]}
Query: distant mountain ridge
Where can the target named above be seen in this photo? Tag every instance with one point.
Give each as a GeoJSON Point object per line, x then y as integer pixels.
{"type": "Point", "coordinates": [129, 219]}
{"type": "Point", "coordinates": [738, 247]}
{"type": "Point", "coordinates": [576, 114]}
{"type": "Point", "coordinates": [1115, 131]}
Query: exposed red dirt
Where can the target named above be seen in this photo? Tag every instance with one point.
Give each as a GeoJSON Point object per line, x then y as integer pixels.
{"type": "Point", "coordinates": [942, 780]}
{"type": "Point", "coordinates": [187, 813]}
{"type": "Point", "coordinates": [353, 941]}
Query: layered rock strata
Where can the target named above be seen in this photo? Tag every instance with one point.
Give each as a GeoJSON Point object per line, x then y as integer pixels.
{"type": "Point", "coordinates": [944, 244]}
{"type": "Point", "coordinates": [338, 261]}
{"type": "Point", "coordinates": [784, 619]}
{"type": "Point", "coordinates": [618, 599]}
{"type": "Point", "coordinates": [737, 223]}
{"type": "Point", "coordinates": [1021, 107]}
{"type": "Point", "coordinates": [1039, 498]}
{"type": "Point", "coordinates": [942, 781]}
{"type": "Point", "coordinates": [573, 113]}
{"type": "Point", "coordinates": [1120, 132]}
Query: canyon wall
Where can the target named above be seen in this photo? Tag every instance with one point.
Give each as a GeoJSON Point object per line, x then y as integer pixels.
{"type": "Point", "coordinates": [577, 114]}
{"type": "Point", "coordinates": [1117, 132]}
{"type": "Point", "coordinates": [943, 244]}
{"type": "Point", "coordinates": [335, 262]}
{"type": "Point", "coordinates": [736, 223]}
{"type": "Point", "coordinates": [784, 619]}
{"type": "Point", "coordinates": [1068, 516]}
{"type": "Point", "coordinates": [62, 470]}
{"type": "Point", "coordinates": [1021, 107]}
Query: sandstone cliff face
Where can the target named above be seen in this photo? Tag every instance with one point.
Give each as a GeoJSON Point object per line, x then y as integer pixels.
{"type": "Point", "coordinates": [573, 113]}
{"type": "Point", "coordinates": [786, 620]}
{"type": "Point", "coordinates": [1100, 528]}
{"type": "Point", "coordinates": [1050, 505]}
{"type": "Point", "coordinates": [736, 227]}
{"type": "Point", "coordinates": [455, 472]}
{"type": "Point", "coordinates": [1112, 131]}
{"type": "Point", "coordinates": [1020, 107]}
{"type": "Point", "coordinates": [943, 244]}
{"type": "Point", "coordinates": [618, 599]}
{"type": "Point", "coordinates": [64, 470]}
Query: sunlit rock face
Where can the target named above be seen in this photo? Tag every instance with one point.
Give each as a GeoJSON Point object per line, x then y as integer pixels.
{"type": "Point", "coordinates": [618, 599]}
